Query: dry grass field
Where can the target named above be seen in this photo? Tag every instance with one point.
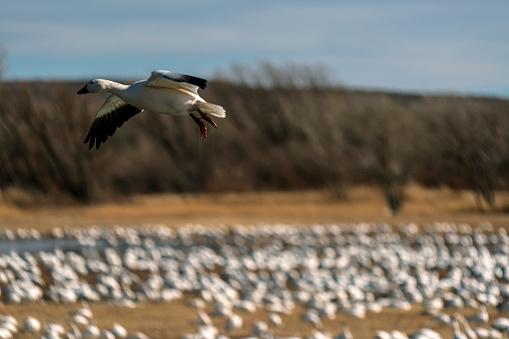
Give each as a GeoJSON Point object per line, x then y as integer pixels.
{"type": "Point", "coordinates": [363, 204]}
{"type": "Point", "coordinates": [170, 320]}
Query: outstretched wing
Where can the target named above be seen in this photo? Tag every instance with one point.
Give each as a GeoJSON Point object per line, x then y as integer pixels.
{"type": "Point", "coordinates": [112, 114]}
{"type": "Point", "coordinates": [176, 80]}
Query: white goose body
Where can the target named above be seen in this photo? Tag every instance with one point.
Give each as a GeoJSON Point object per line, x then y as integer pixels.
{"type": "Point", "coordinates": [156, 99]}
{"type": "Point", "coordinates": [163, 92]}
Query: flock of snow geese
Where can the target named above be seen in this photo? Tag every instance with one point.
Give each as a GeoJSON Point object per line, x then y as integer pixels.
{"type": "Point", "coordinates": [323, 271]}
{"type": "Point", "coordinates": [81, 325]}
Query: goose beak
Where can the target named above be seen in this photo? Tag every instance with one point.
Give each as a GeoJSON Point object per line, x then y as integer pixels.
{"type": "Point", "coordinates": [84, 90]}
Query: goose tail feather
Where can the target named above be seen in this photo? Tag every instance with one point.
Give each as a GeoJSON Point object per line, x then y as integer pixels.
{"type": "Point", "coordinates": [211, 109]}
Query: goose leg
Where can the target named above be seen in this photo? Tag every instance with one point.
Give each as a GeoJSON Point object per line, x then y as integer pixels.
{"type": "Point", "coordinates": [206, 117]}
{"type": "Point", "coordinates": [200, 124]}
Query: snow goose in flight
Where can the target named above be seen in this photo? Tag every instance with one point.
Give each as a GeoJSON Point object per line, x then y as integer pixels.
{"type": "Point", "coordinates": [163, 92]}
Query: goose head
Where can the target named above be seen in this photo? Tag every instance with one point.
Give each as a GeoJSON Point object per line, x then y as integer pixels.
{"type": "Point", "coordinates": [94, 86]}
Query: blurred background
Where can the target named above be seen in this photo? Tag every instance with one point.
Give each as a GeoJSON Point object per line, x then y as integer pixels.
{"type": "Point", "coordinates": [319, 95]}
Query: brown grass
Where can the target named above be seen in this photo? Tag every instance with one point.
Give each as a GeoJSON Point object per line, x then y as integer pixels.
{"type": "Point", "coordinates": [363, 204]}
{"type": "Point", "coordinates": [170, 320]}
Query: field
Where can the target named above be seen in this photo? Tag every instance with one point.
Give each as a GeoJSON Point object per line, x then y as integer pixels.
{"type": "Point", "coordinates": [172, 319]}
{"type": "Point", "coordinates": [363, 204]}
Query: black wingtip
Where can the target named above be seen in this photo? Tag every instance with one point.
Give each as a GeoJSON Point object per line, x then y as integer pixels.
{"type": "Point", "coordinates": [200, 82]}
{"type": "Point", "coordinates": [90, 145]}
{"type": "Point", "coordinates": [103, 127]}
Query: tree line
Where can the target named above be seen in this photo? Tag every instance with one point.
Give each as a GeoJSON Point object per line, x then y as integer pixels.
{"type": "Point", "coordinates": [285, 129]}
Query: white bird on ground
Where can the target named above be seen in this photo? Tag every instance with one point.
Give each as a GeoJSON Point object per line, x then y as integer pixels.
{"type": "Point", "coordinates": [8, 319]}
{"type": "Point", "coordinates": [105, 334]}
{"type": "Point", "coordinates": [91, 332]}
{"type": "Point", "coordinates": [31, 325]}
{"type": "Point", "coordinates": [5, 333]}
{"type": "Point", "coordinates": [83, 311]}
{"type": "Point", "coordinates": [259, 329]}
{"type": "Point", "coordinates": [425, 333]}
{"type": "Point", "coordinates": [275, 319]}
{"type": "Point", "coordinates": [138, 335]}
{"type": "Point", "coordinates": [433, 306]}
{"type": "Point", "coordinates": [74, 332]}
{"type": "Point", "coordinates": [53, 328]}
{"type": "Point", "coordinates": [234, 322]}
{"type": "Point", "coordinates": [346, 334]}
{"type": "Point", "coordinates": [319, 334]}
{"type": "Point", "coordinates": [163, 92]}
{"type": "Point", "coordinates": [79, 319]}
{"type": "Point", "coordinates": [358, 310]}
{"type": "Point", "coordinates": [9, 323]}
{"type": "Point", "coordinates": [469, 332]}
{"type": "Point", "coordinates": [382, 335]}
{"type": "Point", "coordinates": [118, 331]}
{"type": "Point", "coordinates": [313, 318]}
{"type": "Point", "coordinates": [481, 317]}
{"type": "Point", "coordinates": [487, 333]}
{"type": "Point", "coordinates": [203, 318]}
{"type": "Point", "coordinates": [197, 302]}
{"type": "Point", "coordinates": [207, 332]}
{"type": "Point", "coordinates": [501, 324]}
{"type": "Point", "coordinates": [442, 318]}
{"type": "Point", "coordinates": [398, 335]}
{"type": "Point", "coordinates": [456, 327]}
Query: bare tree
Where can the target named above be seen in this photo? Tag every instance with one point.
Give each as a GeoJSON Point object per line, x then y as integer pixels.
{"type": "Point", "coordinates": [181, 142]}
{"type": "Point", "coordinates": [293, 113]}
{"type": "Point", "coordinates": [44, 141]}
{"type": "Point", "coordinates": [378, 135]}
{"type": "Point", "coordinates": [270, 76]}
{"type": "Point", "coordinates": [470, 140]}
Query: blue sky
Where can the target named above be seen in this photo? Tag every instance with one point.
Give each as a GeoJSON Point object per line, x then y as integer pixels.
{"type": "Point", "coordinates": [458, 46]}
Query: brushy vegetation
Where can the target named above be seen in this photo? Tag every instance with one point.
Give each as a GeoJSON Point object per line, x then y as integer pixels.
{"type": "Point", "coordinates": [290, 131]}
